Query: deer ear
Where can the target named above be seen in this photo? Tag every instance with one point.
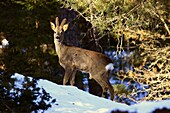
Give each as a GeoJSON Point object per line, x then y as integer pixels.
{"type": "Point", "coordinates": [52, 26]}
{"type": "Point", "coordinates": [65, 27]}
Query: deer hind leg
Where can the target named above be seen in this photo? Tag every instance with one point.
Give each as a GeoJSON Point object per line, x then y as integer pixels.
{"type": "Point", "coordinates": [110, 87]}
{"type": "Point", "coordinates": [111, 90]}
{"type": "Point", "coordinates": [103, 81]}
{"type": "Point", "coordinates": [104, 93]}
{"type": "Point", "coordinates": [103, 84]}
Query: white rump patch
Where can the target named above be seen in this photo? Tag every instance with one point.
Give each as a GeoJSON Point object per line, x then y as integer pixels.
{"type": "Point", "coordinates": [110, 67]}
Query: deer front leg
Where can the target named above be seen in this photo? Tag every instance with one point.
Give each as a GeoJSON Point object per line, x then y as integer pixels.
{"type": "Point", "coordinates": [72, 79]}
{"type": "Point", "coordinates": [68, 73]}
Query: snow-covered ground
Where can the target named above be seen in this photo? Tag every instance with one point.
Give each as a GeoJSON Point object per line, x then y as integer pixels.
{"type": "Point", "coordinates": [70, 99]}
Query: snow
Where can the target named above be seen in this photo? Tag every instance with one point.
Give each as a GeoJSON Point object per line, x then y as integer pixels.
{"type": "Point", "coordinates": [4, 43]}
{"type": "Point", "coordinates": [149, 107]}
{"type": "Point", "coordinates": [70, 99]}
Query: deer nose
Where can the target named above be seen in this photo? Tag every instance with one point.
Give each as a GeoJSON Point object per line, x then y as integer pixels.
{"type": "Point", "coordinates": [56, 36]}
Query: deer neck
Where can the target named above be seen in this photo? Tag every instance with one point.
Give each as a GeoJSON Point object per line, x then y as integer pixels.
{"type": "Point", "coordinates": [59, 47]}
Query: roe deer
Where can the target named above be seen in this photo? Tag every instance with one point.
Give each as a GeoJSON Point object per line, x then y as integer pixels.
{"type": "Point", "coordinates": [73, 58]}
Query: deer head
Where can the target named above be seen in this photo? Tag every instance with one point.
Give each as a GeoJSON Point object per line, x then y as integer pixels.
{"type": "Point", "coordinates": [59, 29]}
